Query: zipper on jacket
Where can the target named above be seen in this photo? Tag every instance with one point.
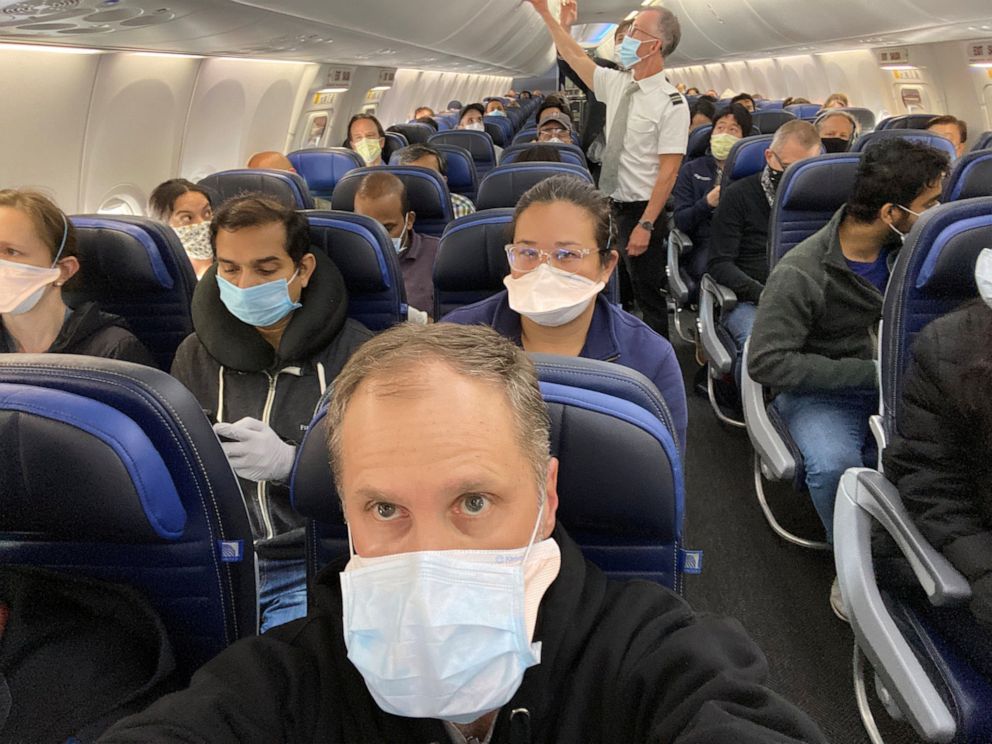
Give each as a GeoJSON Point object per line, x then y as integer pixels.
{"type": "Point", "coordinates": [261, 487]}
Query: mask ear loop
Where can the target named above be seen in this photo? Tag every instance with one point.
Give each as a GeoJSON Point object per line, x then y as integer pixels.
{"type": "Point", "coordinates": [65, 235]}
{"type": "Point", "coordinates": [533, 534]}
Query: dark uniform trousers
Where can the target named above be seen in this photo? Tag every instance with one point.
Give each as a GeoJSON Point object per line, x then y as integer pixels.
{"type": "Point", "coordinates": [647, 271]}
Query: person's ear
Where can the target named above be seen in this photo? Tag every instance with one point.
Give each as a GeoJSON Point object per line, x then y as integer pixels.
{"type": "Point", "coordinates": [550, 501]}
{"type": "Point", "coordinates": [308, 264]}
{"type": "Point", "coordinates": [68, 267]}
{"type": "Point", "coordinates": [412, 219]}
{"type": "Point", "coordinates": [610, 266]}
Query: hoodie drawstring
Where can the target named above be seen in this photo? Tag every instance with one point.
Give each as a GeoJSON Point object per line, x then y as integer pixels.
{"type": "Point", "coordinates": [220, 395]}
{"type": "Point", "coordinates": [322, 377]}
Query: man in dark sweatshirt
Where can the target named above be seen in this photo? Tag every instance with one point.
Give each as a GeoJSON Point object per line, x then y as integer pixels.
{"type": "Point", "coordinates": [815, 337]}
{"type": "Point", "coordinates": [465, 614]}
{"type": "Point", "coordinates": [270, 336]}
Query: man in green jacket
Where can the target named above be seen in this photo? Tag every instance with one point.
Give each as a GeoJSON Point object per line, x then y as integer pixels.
{"type": "Point", "coordinates": [815, 338]}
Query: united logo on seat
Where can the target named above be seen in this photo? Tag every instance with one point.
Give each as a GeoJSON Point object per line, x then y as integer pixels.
{"type": "Point", "coordinates": [231, 551]}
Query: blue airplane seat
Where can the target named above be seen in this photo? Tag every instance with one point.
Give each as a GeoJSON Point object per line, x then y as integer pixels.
{"type": "Point", "coordinates": [698, 142]}
{"type": "Point", "coordinates": [746, 158]}
{"type": "Point", "coordinates": [415, 132]}
{"type": "Point", "coordinates": [136, 268]}
{"type": "Point", "coordinates": [364, 254]}
{"type": "Point", "coordinates": [804, 111]}
{"type": "Point", "coordinates": [394, 141]}
{"type": "Point", "coordinates": [471, 261]}
{"type": "Point", "coordinates": [505, 127]}
{"type": "Point", "coordinates": [607, 411]}
{"type": "Point", "coordinates": [323, 167]}
{"type": "Point", "coordinates": [568, 153]}
{"type": "Point", "coordinates": [916, 135]}
{"type": "Point", "coordinates": [769, 120]}
{"type": "Point", "coordinates": [480, 144]}
{"type": "Point", "coordinates": [763, 104]}
{"type": "Point", "coordinates": [288, 188]}
{"type": "Point", "coordinates": [462, 177]}
{"type": "Point", "coordinates": [970, 178]}
{"type": "Point", "coordinates": [112, 471]}
{"type": "Point", "coordinates": [426, 191]}
{"type": "Point", "coordinates": [527, 134]}
{"type": "Point", "coordinates": [925, 676]}
{"type": "Point", "coordinates": [503, 186]}
{"type": "Point", "coordinates": [905, 121]}
{"type": "Point", "coordinates": [983, 142]}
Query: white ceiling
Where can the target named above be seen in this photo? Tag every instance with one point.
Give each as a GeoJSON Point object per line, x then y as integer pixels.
{"type": "Point", "coordinates": [475, 36]}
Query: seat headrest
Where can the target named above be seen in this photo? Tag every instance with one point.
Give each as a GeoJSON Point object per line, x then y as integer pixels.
{"type": "Point", "coordinates": [426, 191]}
{"type": "Point", "coordinates": [480, 144]}
{"type": "Point", "coordinates": [462, 176]}
{"type": "Point", "coordinates": [503, 186]}
{"type": "Point", "coordinates": [567, 152]}
{"type": "Point", "coordinates": [945, 243]}
{"type": "Point", "coordinates": [906, 121]}
{"type": "Point", "coordinates": [288, 188]}
{"type": "Point", "coordinates": [323, 167]}
{"type": "Point", "coordinates": [364, 254]}
{"type": "Point", "coordinates": [746, 158]}
{"type": "Point", "coordinates": [820, 184]}
{"type": "Point", "coordinates": [768, 121]}
{"type": "Point", "coordinates": [415, 132]}
{"type": "Point", "coordinates": [313, 492]}
{"type": "Point", "coordinates": [970, 178]}
{"type": "Point", "coordinates": [123, 256]}
{"type": "Point", "coordinates": [864, 117]}
{"type": "Point", "coordinates": [75, 466]}
{"type": "Point", "coordinates": [806, 111]}
{"type": "Point", "coordinates": [495, 131]}
{"type": "Point", "coordinates": [983, 142]}
{"type": "Point", "coordinates": [471, 260]}
{"type": "Point", "coordinates": [698, 142]}
{"type": "Point", "coordinates": [921, 136]}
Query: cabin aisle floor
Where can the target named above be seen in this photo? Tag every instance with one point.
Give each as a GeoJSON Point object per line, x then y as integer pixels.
{"type": "Point", "coordinates": [779, 591]}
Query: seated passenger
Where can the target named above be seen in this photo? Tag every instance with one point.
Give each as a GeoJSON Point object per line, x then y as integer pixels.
{"type": "Point", "coordinates": [739, 233]}
{"type": "Point", "coordinates": [836, 100]}
{"type": "Point", "coordinates": [525, 95]}
{"type": "Point", "coordinates": [37, 258]}
{"type": "Point", "coordinates": [466, 612]}
{"type": "Point", "coordinates": [553, 105]}
{"type": "Point", "coordinates": [382, 196]}
{"type": "Point", "coordinates": [837, 130]}
{"type": "Point", "coordinates": [555, 128]}
{"type": "Point", "coordinates": [429, 121]}
{"type": "Point", "coordinates": [952, 129]}
{"type": "Point", "coordinates": [425, 156]}
{"type": "Point", "coordinates": [187, 209]}
{"type": "Point", "coordinates": [940, 457]}
{"type": "Point", "coordinates": [422, 112]}
{"type": "Point", "coordinates": [495, 107]}
{"type": "Point", "coordinates": [693, 91]}
{"type": "Point", "coordinates": [367, 137]}
{"type": "Point", "coordinates": [271, 160]}
{"type": "Point", "coordinates": [270, 335]}
{"type": "Point", "coordinates": [713, 94]}
{"type": "Point", "coordinates": [746, 101]}
{"type": "Point", "coordinates": [701, 113]}
{"type": "Point", "coordinates": [815, 335]}
{"type": "Point", "coordinates": [539, 154]}
{"type": "Point", "coordinates": [697, 190]}
{"type": "Point", "coordinates": [471, 118]}
{"type": "Point", "coordinates": [560, 260]}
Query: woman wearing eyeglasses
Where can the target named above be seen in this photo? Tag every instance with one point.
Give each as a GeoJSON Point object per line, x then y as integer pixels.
{"type": "Point", "coordinates": [560, 260]}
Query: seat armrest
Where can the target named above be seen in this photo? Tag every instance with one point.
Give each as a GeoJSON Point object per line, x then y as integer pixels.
{"type": "Point", "coordinates": [711, 296]}
{"type": "Point", "coordinates": [776, 459]}
{"type": "Point", "coordinates": [678, 245]}
{"type": "Point", "coordinates": [859, 496]}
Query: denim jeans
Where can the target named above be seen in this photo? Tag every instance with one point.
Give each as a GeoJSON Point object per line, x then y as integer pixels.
{"type": "Point", "coordinates": [282, 591]}
{"type": "Point", "coordinates": [739, 322]}
{"type": "Point", "coordinates": [830, 430]}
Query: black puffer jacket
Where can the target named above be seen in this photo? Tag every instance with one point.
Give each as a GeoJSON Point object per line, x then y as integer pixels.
{"type": "Point", "coordinates": [234, 372]}
{"type": "Point", "coordinates": [940, 457]}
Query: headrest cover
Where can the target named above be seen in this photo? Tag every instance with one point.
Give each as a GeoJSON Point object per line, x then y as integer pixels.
{"type": "Point", "coordinates": [122, 258]}
{"type": "Point", "coordinates": [948, 266]}
{"type": "Point", "coordinates": [77, 469]}
{"type": "Point", "coordinates": [426, 190]}
{"type": "Point", "coordinates": [821, 184]}
{"type": "Point", "coordinates": [479, 144]}
{"type": "Point", "coordinates": [971, 177]}
{"type": "Point", "coordinates": [746, 157]}
{"type": "Point", "coordinates": [472, 256]}
{"type": "Point", "coordinates": [916, 135]}
{"type": "Point", "coordinates": [288, 188]}
{"type": "Point", "coordinates": [322, 168]}
{"type": "Point", "coordinates": [503, 186]}
{"type": "Point", "coordinates": [358, 246]}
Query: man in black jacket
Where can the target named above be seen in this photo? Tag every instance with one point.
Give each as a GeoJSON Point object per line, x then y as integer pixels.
{"type": "Point", "coordinates": [464, 612]}
{"type": "Point", "coordinates": [270, 336]}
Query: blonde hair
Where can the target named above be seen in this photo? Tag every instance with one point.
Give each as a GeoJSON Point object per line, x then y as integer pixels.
{"type": "Point", "coordinates": [49, 221]}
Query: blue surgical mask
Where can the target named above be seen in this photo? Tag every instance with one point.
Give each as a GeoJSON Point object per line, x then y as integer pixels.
{"type": "Point", "coordinates": [260, 306]}
{"type": "Point", "coordinates": [398, 242]}
{"type": "Point", "coordinates": [497, 112]}
{"type": "Point", "coordinates": [628, 52]}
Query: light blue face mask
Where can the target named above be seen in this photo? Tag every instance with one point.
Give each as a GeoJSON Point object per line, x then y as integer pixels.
{"type": "Point", "coordinates": [628, 52]}
{"type": "Point", "coordinates": [497, 112]}
{"type": "Point", "coordinates": [398, 242]}
{"type": "Point", "coordinates": [260, 306]}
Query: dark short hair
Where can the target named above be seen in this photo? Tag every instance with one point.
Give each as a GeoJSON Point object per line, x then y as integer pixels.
{"type": "Point", "coordinates": [424, 108]}
{"type": "Point", "coordinates": [582, 194]}
{"type": "Point", "coordinates": [953, 120]}
{"type": "Point", "coordinates": [740, 114]}
{"type": "Point", "coordinates": [50, 222]}
{"type": "Point", "coordinates": [429, 121]}
{"type": "Point", "coordinates": [705, 107]}
{"type": "Point", "coordinates": [623, 27]}
{"type": "Point", "coordinates": [742, 97]}
{"type": "Point", "coordinates": [553, 102]}
{"type": "Point", "coordinates": [893, 171]}
{"type": "Point", "coordinates": [540, 153]}
{"type": "Point", "coordinates": [380, 183]}
{"type": "Point", "coordinates": [366, 117]}
{"type": "Point", "coordinates": [162, 202]}
{"type": "Point", "coordinates": [692, 88]}
{"type": "Point", "coordinates": [471, 107]}
{"type": "Point", "coordinates": [255, 210]}
{"type": "Point", "coordinates": [410, 153]}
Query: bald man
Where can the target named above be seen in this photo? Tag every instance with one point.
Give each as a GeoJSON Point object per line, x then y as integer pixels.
{"type": "Point", "coordinates": [382, 196]}
{"type": "Point", "coordinates": [271, 160]}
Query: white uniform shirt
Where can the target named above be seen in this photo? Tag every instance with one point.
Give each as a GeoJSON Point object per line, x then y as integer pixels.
{"type": "Point", "coordinates": [658, 124]}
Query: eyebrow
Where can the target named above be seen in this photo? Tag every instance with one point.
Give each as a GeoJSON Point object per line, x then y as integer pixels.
{"type": "Point", "coordinates": [559, 243]}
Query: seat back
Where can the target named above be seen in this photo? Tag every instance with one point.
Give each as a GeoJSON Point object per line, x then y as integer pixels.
{"type": "Point", "coordinates": [426, 191]}
{"type": "Point", "coordinates": [766, 105]}
{"type": "Point", "coordinates": [323, 167]}
{"type": "Point", "coordinates": [503, 125]}
{"type": "Point", "coordinates": [283, 186]}
{"type": "Point", "coordinates": [746, 158]}
{"type": "Point", "coordinates": [111, 470]}
{"type": "Point", "coordinates": [462, 176]}
{"type": "Point", "coordinates": [984, 142]}
{"type": "Point", "coordinates": [414, 132]}
{"type": "Point", "coordinates": [933, 274]}
{"type": "Point", "coordinates": [864, 117]}
{"type": "Point", "coordinates": [769, 120]}
{"type": "Point", "coordinates": [394, 141]}
{"type": "Point", "coordinates": [804, 111]}
{"type": "Point", "coordinates": [698, 142]}
{"type": "Point", "coordinates": [810, 193]}
{"type": "Point", "coordinates": [525, 135]}
{"type": "Point", "coordinates": [364, 254]}
{"type": "Point", "coordinates": [970, 178]}
{"type": "Point", "coordinates": [503, 186]}
{"type": "Point", "coordinates": [480, 144]}
{"type": "Point", "coordinates": [905, 121]}
{"type": "Point", "coordinates": [916, 135]}
{"type": "Point", "coordinates": [136, 268]}
{"type": "Point", "coordinates": [568, 153]}
{"type": "Point", "coordinates": [636, 533]}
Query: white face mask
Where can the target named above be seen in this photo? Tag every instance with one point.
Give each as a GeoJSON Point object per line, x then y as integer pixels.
{"type": "Point", "coordinates": [446, 634]}
{"type": "Point", "coordinates": [196, 240]}
{"type": "Point", "coordinates": [983, 275]}
{"type": "Point", "coordinates": [398, 242]}
{"type": "Point", "coordinates": [22, 285]}
{"type": "Point", "coordinates": [549, 296]}
{"type": "Point", "coordinates": [475, 126]}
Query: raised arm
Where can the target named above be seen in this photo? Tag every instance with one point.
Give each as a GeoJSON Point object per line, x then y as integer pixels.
{"type": "Point", "coordinates": [568, 49]}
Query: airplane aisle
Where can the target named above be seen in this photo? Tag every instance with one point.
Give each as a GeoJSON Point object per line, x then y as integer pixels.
{"type": "Point", "coordinates": [779, 591]}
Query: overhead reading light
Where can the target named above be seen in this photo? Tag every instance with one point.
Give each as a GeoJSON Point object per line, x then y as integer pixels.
{"type": "Point", "coordinates": [898, 67]}
{"type": "Point", "coordinates": [51, 49]}
{"type": "Point", "coordinates": [339, 89]}
{"type": "Point", "coordinates": [381, 87]}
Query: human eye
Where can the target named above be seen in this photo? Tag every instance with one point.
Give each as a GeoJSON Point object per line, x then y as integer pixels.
{"type": "Point", "coordinates": [229, 269]}
{"type": "Point", "coordinates": [383, 511]}
{"type": "Point", "coordinates": [474, 504]}
{"type": "Point", "coordinates": [568, 256]}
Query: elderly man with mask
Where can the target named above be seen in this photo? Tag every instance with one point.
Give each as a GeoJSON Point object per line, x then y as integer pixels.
{"type": "Point", "coordinates": [837, 130]}
{"type": "Point", "coordinates": [464, 612]}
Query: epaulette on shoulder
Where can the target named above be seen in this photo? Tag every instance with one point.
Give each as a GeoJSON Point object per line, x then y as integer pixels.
{"type": "Point", "coordinates": [676, 98]}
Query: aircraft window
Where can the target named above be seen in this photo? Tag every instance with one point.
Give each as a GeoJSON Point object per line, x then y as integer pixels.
{"type": "Point", "coordinates": [122, 204]}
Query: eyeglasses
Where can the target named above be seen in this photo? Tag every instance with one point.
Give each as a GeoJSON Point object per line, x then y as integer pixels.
{"type": "Point", "coordinates": [528, 258]}
{"type": "Point", "coordinates": [554, 132]}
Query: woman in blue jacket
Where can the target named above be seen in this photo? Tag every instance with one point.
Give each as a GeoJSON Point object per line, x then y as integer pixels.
{"type": "Point", "coordinates": [561, 258]}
